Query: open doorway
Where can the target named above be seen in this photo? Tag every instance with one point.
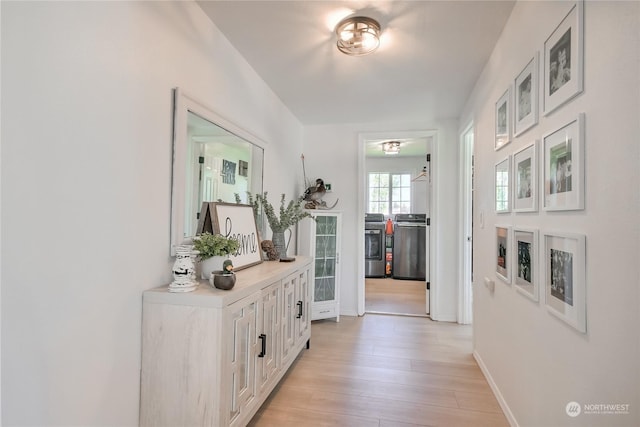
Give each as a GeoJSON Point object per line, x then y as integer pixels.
{"type": "Point", "coordinates": [395, 203]}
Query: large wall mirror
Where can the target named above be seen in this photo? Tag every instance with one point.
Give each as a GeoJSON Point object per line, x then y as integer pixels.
{"type": "Point", "coordinates": [213, 160]}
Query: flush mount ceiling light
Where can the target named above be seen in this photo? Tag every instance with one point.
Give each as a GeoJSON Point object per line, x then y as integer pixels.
{"type": "Point", "coordinates": [391, 147]}
{"type": "Point", "coordinates": [358, 35]}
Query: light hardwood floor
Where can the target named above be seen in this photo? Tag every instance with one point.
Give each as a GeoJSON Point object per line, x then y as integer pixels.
{"type": "Point", "coordinates": [406, 297]}
{"type": "Point", "coordinates": [385, 371]}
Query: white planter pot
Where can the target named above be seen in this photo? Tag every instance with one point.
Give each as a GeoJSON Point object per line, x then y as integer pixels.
{"type": "Point", "coordinates": [211, 264]}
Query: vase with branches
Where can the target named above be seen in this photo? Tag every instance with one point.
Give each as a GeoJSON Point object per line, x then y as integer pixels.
{"type": "Point", "coordinates": [288, 215]}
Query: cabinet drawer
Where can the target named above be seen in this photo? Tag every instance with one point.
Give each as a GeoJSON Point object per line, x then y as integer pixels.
{"type": "Point", "coordinates": [323, 312]}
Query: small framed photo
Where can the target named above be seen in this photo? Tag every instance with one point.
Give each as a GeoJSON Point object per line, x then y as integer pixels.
{"type": "Point", "coordinates": [526, 97]}
{"type": "Point", "coordinates": [502, 180]}
{"type": "Point", "coordinates": [503, 253]}
{"type": "Point", "coordinates": [525, 258]}
{"type": "Point", "coordinates": [563, 60]}
{"type": "Point", "coordinates": [503, 120]}
{"type": "Point", "coordinates": [565, 278]}
{"type": "Point", "coordinates": [525, 166]}
{"type": "Point", "coordinates": [563, 158]}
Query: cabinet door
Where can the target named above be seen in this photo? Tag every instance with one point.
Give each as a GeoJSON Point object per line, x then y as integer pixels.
{"type": "Point", "coordinates": [269, 335]}
{"type": "Point", "coordinates": [303, 303]}
{"type": "Point", "coordinates": [242, 346]}
{"type": "Point", "coordinates": [326, 258]}
{"type": "Point", "coordinates": [289, 311]}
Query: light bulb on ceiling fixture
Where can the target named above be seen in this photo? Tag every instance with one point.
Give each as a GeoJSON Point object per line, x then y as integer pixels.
{"type": "Point", "coordinates": [391, 147]}
{"type": "Point", "coordinates": [358, 35]}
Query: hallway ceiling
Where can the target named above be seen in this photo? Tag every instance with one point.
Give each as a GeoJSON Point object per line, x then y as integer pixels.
{"type": "Point", "coordinates": [431, 54]}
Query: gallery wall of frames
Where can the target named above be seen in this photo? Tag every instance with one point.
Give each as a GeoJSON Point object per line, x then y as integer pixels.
{"type": "Point", "coordinates": [546, 266]}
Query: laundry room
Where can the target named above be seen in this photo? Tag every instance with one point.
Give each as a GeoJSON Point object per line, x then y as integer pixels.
{"type": "Point", "coordinates": [396, 225]}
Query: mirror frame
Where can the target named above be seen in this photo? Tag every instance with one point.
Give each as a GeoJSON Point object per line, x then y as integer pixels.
{"type": "Point", "coordinates": [182, 105]}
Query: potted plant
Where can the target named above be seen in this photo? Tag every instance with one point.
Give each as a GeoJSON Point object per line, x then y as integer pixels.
{"type": "Point", "coordinates": [213, 250]}
{"type": "Point", "coordinates": [289, 215]}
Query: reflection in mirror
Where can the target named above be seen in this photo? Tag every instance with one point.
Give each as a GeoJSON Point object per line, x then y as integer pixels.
{"type": "Point", "coordinates": [213, 161]}
{"type": "Point", "coordinates": [219, 165]}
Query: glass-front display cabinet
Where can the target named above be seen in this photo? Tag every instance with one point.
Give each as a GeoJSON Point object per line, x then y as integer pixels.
{"type": "Point", "coordinates": [320, 239]}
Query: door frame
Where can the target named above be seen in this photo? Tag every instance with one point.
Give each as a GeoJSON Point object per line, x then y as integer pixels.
{"type": "Point", "coordinates": [362, 186]}
{"type": "Point", "coordinates": [465, 289]}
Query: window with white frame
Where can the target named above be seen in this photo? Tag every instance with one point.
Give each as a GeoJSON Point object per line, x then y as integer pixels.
{"type": "Point", "coordinates": [389, 193]}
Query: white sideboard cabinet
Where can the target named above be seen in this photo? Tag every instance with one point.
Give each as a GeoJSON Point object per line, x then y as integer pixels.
{"type": "Point", "coordinates": [212, 357]}
{"type": "Point", "coordinates": [320, 239]}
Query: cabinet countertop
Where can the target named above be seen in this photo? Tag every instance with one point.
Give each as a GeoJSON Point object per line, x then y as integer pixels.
{"type": "Point", "coordinates": [248, 281]}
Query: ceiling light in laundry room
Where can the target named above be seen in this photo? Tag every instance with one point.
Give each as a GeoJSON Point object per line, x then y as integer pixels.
{"type": "Point", "coordinates": [391, 147]}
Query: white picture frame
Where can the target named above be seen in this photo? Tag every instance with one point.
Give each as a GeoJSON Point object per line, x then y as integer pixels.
{"type": "Point", "coordinates": [502, 252]}
{"type": "Point", "coordinates": [525, 104]}
{"type": "Point", "coordinates": [525, 179]}
{"type": "Point", "coordinates": [565, 277]}
{"type": "Point", "coordinates": [525, 260]}
{"type": "Point", "coordinates": [563, 167]}
{"type": "Point", "coordinates": [503, 120]}
{"type": "Point", "coordinates": [502, 186]}
{"type": "Point", "coordinates": [564, 60]}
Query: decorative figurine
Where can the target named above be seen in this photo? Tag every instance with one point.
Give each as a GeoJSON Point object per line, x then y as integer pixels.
{"type": "Point", "coordinates": [224, 279]}
{"type": "Point", "coordinates": [270, 250]}
{"type": "Point", "coordinates": [314, 193]}
{"type": "Point", "coordinates": [184, 270]}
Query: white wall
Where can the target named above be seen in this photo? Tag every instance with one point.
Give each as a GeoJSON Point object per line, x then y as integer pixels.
{"type": "Point", "coordinates": [86, 179]}
{"type": "Point", "coordinates": [331, 152]}
{"type": "Point", "coordinates": [536, 362]}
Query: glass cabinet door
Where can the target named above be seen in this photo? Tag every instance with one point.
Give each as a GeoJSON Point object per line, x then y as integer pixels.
{"type": "Point", "coordinates": [325, 258]}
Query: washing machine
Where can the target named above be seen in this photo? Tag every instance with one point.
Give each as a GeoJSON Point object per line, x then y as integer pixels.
{"type": "Point", "coordinates": [374, 245]}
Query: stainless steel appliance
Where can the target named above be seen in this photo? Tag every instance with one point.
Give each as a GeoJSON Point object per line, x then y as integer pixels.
{"type": "Point", "coordinates": [409, 247]}
{"type": "Point", "coordinates": [374, 249]}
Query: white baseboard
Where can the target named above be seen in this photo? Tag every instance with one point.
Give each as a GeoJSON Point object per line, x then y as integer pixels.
{"type": "Point", "coordinates": [496, 391]}
{"type": "Point", "coordinates": [445, 318]}
{"type": "Point", "coordinates": [348, 313]}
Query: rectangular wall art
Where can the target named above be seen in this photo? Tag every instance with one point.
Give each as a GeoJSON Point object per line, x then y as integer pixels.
{"type": "Point", "coordinates": [525, 167]}
{"type": "Point", "coordinates": [563, 60]}
{"type": "Point", "coordinates": [565, 277]}
{"type": "Point", "coordinates": [503, 120]}
{"type": "Point", "coordinates": [563, 159]}
{"type": "Point", "coordinates": [525, 258]}
{"type": "Point", "coordinates": [503, 253]}
{"type": "Point", "coordinates": [526, 97]}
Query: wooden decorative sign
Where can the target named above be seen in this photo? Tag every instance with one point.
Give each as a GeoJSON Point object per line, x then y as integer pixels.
{"type": "Point", "coordinates": [235, 221]}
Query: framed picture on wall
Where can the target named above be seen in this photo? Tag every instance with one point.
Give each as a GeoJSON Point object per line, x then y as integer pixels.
{"type": "Point", "coordinates": [563, 60]}
{"type": "Point", "coordinates": [565, 278]}
{"type": "Point", "coordinates": [563, 159]}
{"type": "Point", "coordinates": [525, 167]}
{"type": "Point", "coordinates": [228, 172]}
{"type": "Point", "coordinates": [503, 120]}
{"type": "Point", "coordinates": [502, 185]}
{"type": "Point", "coordinates": [526, 97]}
{"type": "Point", "coordinates": [503, 253]}
{"type": "Point", "coordinates": [525, 259]}
{"type": "Point", "coordinates": [243, 168]}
